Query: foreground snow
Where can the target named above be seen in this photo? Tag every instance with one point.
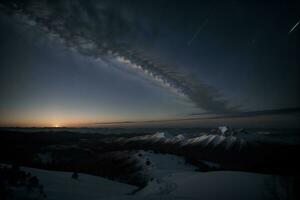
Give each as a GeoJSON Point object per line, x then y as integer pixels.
{"type": "Point", "coordinates": [217, 185]}
{"type": "Point", "coordinates": [60, 186]}
{"type": "Point", "coordinates": [172, 178]}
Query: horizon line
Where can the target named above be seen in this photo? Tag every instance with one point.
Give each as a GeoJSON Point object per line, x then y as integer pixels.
{"type": "Point", "coordinates": [197, 116]}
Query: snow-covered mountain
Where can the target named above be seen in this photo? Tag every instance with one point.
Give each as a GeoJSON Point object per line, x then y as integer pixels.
{"type": "Point", "coordinates": [205, 140]}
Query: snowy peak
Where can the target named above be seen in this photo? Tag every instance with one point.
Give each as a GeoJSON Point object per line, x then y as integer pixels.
{"type": "Point", "coordinates": [162, 135]}
{"type": "Point", "coordinates": [180, 137]}
{"type": "Point", "coordinates": [223, 129]}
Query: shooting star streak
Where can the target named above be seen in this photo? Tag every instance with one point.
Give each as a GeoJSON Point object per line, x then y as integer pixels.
{"type": "Point", "coordinates": [294, 27]}
{"type": "Point", "coordinates": [198, 31]}
{"type": "Point", "coordinates": [202, 26]}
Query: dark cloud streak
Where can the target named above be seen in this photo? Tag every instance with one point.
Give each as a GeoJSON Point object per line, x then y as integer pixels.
{"type": "Point", "coordinates": [211, 116]}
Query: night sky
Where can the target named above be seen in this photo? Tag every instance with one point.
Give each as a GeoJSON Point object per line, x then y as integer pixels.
{"type": "Point", "coordinates": [88, 63]}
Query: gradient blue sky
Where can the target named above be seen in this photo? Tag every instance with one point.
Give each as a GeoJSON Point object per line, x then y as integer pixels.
{"type": "Point", "coordinates": [76, 65]}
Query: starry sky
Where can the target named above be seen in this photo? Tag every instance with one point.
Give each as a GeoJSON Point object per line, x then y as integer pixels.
{"type": "Point", "coordinates": [97, 62]}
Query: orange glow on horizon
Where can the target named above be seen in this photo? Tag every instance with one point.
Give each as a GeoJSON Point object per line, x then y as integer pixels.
{"type": "Point", "coordinates": [51, 123]}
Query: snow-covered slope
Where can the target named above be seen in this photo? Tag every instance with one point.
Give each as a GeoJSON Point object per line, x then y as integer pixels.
{"type": "Point", "coordinates": [160, 165]}
{"type": "Point", "coordinates": [172, 179]}
{"type": "Point", "coordinates": [60, 186]}
{"type": "Point", "coordinates": [221, 185]}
